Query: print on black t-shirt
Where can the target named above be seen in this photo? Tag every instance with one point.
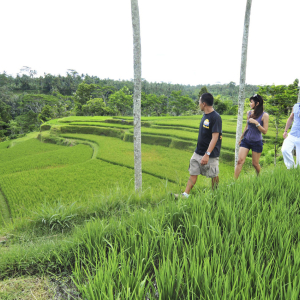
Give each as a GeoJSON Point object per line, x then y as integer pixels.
{"type": "Point", "coordinates": [209, 124]}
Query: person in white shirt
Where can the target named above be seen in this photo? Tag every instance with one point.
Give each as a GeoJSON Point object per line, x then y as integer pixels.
{"type": "Point", "coordinates": [292, 139]}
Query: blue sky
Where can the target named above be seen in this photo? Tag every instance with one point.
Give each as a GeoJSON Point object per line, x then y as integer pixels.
{"type": "Point", "coordinates": [189, 42]}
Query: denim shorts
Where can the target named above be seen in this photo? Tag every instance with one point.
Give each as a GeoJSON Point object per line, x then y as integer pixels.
{"type": "Point", "coordinates": [255, 146]}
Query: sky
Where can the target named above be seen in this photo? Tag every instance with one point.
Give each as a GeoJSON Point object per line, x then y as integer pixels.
{"type": "Point", "coordinates": [183, 41]}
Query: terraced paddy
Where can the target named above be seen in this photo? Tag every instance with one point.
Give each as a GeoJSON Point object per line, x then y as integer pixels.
{"type": "Point", "coordinates": [68, 206]}
{"type": "Point", "coordinates": [99, 157]}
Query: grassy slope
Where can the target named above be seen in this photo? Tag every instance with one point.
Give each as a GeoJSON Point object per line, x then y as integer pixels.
{"type": "Point", "coordinates": [13, 263]}
{"type": "Point", "coordinates": [34, 173]}
{"type": "Point", "coordinates": [4, 145]}
{"type": "Point", "coordinates": [157, 160]}
{"type": "Point", "coordinates": [239, 242]}
{"type": "Point", "coordinates": [5, 213]}
{"type": "Point", "coordinates": [26, 192]}
{"type": "Point", "coordinates": [50, 159]}
{"type": "Point", "coordinates": [23, 149]}
{"type": "Point", "coordinates": [183, 128]}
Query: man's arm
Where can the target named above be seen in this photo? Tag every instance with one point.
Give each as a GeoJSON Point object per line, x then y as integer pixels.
{"type": "Point", "coordinates": [211, 146]}
{"type": "Point", "coordinates": [289, 122]}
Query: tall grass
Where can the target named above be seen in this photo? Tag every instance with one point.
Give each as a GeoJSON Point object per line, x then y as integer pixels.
{"type": "Point", "coordinates": [238, 242]}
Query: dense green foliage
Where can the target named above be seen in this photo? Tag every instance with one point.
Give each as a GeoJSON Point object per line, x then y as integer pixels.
{"type": "Point", "coordinates": [67, 85]}
{"type": "Point", "coordinates": [27, 101]}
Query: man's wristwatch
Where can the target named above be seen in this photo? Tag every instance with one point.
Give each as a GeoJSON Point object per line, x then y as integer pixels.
{"type": "Point", "coordinates": [208, 153]}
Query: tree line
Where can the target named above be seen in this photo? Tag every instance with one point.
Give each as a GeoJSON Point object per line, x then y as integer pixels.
{"type": "Point", "coordinates": [27, 101]}
{"type": "Point", "coordinates": [26, 81]}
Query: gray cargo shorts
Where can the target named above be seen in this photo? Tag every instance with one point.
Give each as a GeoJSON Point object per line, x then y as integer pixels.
{"type": "Point", "coordinates": [210, 170]}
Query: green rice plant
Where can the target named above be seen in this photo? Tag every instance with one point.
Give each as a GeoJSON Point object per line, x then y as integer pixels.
{"type": "Point", "coordinates": [189, 129]}
{"type": "Point", "coordinates": [52, 159]}
{"type": "Point", "coordinates": [187, 122]}
{"type": "Point", "coordinates": [146, 119]}
{"type": "Point", "coordinates": [181, 134]}
{"type": "Point", "coordinates": [228, 124]}
{"type": "Point", "coordinates": [192, 122]}
{"type": "Point", "coordinates": [150, 139]}
{"type": "Point", "coordinates": [185, 128]}
{"type": "Point", "coordinates": [4, 145]}
{"type": "Point", "coordinates": [24, 149]}
{"type": "Point", "coordinates": [219, 247]}
{"type": "Point", "coordinates": [165, 163]}
{"type": "Point", "coordinates": [117, 273]}
{"type": "Point", "coordinates": [4, 211]}
{"type": "Point", "coordinates": [56, 216]}
{"type": "Point", "coordinates": [102, 124]}
{"type": "Point", "coordinates": [26, 190]}
{"type": "Point", "coordinates": [107, 131]}
{"type": "Point", "coordinates": [238, 242]}
{"type": "Point", "coordinates": [79, 119]}
{"type": "Point", "coordinates": [228, 142]}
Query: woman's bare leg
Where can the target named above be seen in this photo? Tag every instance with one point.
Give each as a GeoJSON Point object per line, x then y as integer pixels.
{"type": "Point", "coordinates": [255, 161]}
{"type": "Point", "coordinates": [243, 152]}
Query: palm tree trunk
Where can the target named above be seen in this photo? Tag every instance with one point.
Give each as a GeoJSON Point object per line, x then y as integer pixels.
{"type": "Point", "coordinates": [137, 94]}
{"type": "Point", "coordinates": [239, 126]}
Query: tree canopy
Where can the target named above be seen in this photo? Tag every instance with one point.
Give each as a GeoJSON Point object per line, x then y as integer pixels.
{"type": "Point", "coordinates": [27, 100]}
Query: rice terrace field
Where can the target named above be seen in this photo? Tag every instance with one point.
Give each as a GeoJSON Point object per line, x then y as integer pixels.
{"type": "Point", "coordinates": [72, 226]}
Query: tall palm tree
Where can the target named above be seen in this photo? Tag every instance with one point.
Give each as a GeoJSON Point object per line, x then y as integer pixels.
{"type": "Point", "coordinates": [239, 126]}
{"type": "Point", "coordinates": [137, 94]}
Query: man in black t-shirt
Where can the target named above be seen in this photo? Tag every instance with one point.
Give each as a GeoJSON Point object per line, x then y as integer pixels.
{"type": "Point", "coordinates": [205, 160]}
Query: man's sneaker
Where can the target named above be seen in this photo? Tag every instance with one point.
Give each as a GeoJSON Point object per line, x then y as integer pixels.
{"type": "Point", "coordinates": [182, 195]}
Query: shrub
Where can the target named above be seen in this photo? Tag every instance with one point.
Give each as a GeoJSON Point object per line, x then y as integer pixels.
{"type": "Point", "coordinates": [45, 127]}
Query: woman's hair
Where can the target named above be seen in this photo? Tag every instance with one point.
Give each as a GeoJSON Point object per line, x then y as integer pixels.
{"type": "Point", "coordinates": [258, 109]}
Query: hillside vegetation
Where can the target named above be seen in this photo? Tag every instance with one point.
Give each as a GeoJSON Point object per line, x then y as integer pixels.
{"type": "Point", "coordinates": [69, 210]}
{"type": "Point", "coordinates": [239, 242]}
{"type": "Point", "coordinates": [27, 101]}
